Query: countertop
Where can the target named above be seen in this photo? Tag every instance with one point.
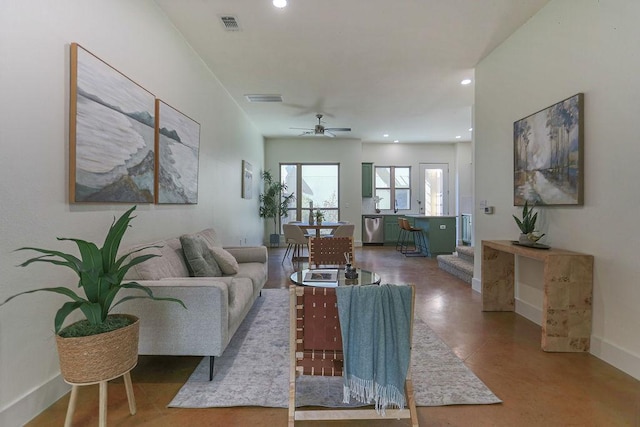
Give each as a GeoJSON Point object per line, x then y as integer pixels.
{"type": "Point", "coordinates": [430, 216]}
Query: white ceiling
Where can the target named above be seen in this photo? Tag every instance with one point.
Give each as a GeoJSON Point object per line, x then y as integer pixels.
{"type": "Point", "coordinates": [376, 66]}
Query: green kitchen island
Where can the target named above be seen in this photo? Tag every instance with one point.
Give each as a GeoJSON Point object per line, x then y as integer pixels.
{"type": "Point", "coordinates": [439, 232]}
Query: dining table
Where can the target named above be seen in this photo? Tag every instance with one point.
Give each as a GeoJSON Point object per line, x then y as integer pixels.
{"type": "Point", "coordinates": [317, 227]}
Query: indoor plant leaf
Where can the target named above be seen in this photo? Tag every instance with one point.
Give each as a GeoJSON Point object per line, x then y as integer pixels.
{"type": "Point", "coordinates": [100, 274]}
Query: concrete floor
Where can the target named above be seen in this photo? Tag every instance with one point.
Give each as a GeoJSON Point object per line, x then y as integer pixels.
{"type": "Point", "coordinates": [502, 349]}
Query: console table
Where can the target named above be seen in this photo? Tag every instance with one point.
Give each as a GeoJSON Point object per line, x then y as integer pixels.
{"type": "Point", "coordinates": [568, 289]}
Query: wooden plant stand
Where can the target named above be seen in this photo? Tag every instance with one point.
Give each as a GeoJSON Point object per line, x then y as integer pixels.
{"type": "Point", "coordinates": [102, 416]}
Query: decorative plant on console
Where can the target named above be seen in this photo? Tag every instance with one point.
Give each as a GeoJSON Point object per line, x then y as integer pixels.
{"type": "Point", "coordinates": [274, 203]}
{"type": "Point", "coordinates": [527, 225]}
{"type": "Point", "coordinates": [103, 345]}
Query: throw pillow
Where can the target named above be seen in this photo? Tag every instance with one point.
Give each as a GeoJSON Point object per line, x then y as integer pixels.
{"type": "Point", "coordinates": [199, 256]}
{"type": "Point", "coordinates": [225, 260]}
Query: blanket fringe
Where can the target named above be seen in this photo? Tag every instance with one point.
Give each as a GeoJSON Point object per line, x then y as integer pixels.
{"type": "Point", "coordinates": [368, 391]}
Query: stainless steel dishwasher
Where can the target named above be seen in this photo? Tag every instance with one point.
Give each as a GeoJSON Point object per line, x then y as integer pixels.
{"type": "Point", "coordinates": [373, 230]}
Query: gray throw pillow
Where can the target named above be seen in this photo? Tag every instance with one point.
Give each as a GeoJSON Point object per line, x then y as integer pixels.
{"type": "Point", "coordinates": [199, 257]}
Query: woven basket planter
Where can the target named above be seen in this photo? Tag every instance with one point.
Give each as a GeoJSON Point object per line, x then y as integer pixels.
{"type": "Point", "coordinates": [99, 357]}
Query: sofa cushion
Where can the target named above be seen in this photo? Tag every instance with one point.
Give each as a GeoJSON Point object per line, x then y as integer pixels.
{"type": "Point", "coordinates": [199, 256]}
{"type": "Point", "coordinates": [169, 262]}
{"type": "Point", "coordinates": [225, 260]}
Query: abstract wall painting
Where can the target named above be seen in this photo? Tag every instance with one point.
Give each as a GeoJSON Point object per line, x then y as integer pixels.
{"type": "Point", "coordinates": [178, 146]}
{"type": "Point", "coordinates": [111, 134]}
{"type": "Point", "coordinates": [549, 155]}
{"type": "Point", "coordinates": [247, 180]}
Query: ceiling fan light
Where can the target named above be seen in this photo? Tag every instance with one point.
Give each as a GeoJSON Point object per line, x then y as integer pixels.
{"type": "Point", "coordinates": [280, 3]}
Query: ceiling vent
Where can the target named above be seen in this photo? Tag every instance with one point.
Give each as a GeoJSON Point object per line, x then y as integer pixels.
{"type": "Point", "coordinates": [230, 23]}
{"type": "Point", "coordinates": [264, 98]}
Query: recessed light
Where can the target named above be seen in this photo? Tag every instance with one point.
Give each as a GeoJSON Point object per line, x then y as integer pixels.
{"type": "Point", "coordinates": [386, 135]}
{"type": "Point", "coordinates": [280, 3]}
{"type": "Point", "coordinates": [458, 136]}
{"type": "Point", "coordinates": [396, 140]}
{"type": "Point", "coordinates": [470, 129]}
{"type": "Point", "coordinates": [465, 82]}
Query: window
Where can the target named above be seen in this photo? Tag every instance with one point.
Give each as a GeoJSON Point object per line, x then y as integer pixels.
{"type": "Point", "coordinates": [312, 183]}
{"type": "Point", "coordinates": [393, 187]}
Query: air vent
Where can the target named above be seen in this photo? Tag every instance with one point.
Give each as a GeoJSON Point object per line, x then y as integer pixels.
{"type": "Point", "coordinates": [264, 98]}
{"type": "Point", "coordinates": [230, 23]}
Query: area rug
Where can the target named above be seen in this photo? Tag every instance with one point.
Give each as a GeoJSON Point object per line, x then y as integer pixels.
{"type": "Point", "coordinates": [254, 369]}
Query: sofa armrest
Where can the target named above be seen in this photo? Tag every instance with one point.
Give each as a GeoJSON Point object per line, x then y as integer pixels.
{"type": "Point", "coordinates": [166, 328]}
{"type": "Point", "coordinates": [249, 253]}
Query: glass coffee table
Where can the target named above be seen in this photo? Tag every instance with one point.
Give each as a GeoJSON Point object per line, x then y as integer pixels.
{"type": "Point", "coordinates": [334, 277]}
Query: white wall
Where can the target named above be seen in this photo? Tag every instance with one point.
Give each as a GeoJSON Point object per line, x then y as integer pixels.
{"type": "Point", "coordinates": [572, 46]}
{"type": "Point", "coordinates": [136, 38]}
{"type": "Point", "coordinates": [347, 152]}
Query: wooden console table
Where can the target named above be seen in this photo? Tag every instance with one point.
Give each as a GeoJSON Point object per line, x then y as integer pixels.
{"type": "Point", "coordinates": [568, 289]}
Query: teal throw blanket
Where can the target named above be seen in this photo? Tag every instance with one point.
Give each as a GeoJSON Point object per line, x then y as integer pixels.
{"type": "Point", "coordinates": [375, 322]}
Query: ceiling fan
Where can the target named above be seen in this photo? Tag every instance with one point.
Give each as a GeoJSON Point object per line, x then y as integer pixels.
{"type": "Point", "coordinates": [321, 130]}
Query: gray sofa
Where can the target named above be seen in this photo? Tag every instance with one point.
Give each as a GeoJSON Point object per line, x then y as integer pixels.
{"type": "Point", "coordinates": [215, 305]}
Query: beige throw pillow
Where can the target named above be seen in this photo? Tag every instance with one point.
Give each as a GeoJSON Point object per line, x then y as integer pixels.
{"type": "Point", "coordinates": [225, 260]}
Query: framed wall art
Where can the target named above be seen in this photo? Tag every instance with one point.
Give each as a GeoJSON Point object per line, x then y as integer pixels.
{"type": "Point", "coordinates": [111, 134]}
{"type": "Point", "coordinates": [247, 180]}
{"type": "Point", "coordinates": [178, 147]}
{"type": "Point", "coordinates": [548, 163]}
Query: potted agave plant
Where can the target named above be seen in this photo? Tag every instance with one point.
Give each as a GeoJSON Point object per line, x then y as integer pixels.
{"type": "Point", "coordinates": [102, 346]}
{"type": "Point", "coordinates": [527, 225]}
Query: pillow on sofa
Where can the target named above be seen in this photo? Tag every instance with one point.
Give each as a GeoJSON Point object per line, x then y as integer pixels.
{"type": "Point", "coordinates": [199, 257]}
{"type": "Point", "coordinates": [225, 260]}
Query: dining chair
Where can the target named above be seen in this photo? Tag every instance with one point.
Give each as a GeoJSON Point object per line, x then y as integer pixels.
{"type": "Point", "coordinates": [343, 230]}
{"type": "Point", "coordinates": [295, 239]}
{"type": "Point", "coordinates": [332, 232]}
{"type": "Point", "coordinates": [316, 348]}
{"type": "Point", "coordinates": [330, 252]}
{"type": "Point", "coordinates": [306, 232]}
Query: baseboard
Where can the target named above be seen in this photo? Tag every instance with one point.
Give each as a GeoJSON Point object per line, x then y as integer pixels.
{"type": "Point", "coordinates": [612, 354]}
{"type": "Point", "coordinates": [529, 311]}
{"type": "Point", "coordinates": [476, 285]}
{"type": "Point", "coordinates": [34, 402]}
{"type": "Point", "coordinates": [616, 356]}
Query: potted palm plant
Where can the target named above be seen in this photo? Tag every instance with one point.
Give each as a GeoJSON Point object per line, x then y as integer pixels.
{"type": "Point", "coordinates": [274, 203]}
{"type": "Point", "coordinates": [101, 346]}
{"type": "Point", "coordinates": [527, 225]}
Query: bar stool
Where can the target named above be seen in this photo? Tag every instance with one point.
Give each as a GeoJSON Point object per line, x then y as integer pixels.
{"type": "Point", "coordinates": [401, 235]}
{"type": "Point", "coordinates": [420, 247]}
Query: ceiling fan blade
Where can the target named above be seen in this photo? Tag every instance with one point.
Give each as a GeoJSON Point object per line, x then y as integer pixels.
{"type": "Point", "coordinates": [329, 134]}
{"type": "Point", "coordinates": [338, 129]}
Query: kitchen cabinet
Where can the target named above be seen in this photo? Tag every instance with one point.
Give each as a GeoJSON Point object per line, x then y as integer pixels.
{"type": "Point", "coordinates": [367, 180]}
{"type": "Point", "coordinates": [391, 229]}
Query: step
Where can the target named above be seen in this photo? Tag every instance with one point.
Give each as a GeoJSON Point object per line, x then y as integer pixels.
{"type": "Point", "coordinates": [456, 266]}
{"type": "Point", "coordinates": [465, 253]}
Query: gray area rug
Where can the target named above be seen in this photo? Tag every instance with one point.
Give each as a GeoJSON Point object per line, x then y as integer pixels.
{"type": "Point", "coordinates": [254, 369]}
